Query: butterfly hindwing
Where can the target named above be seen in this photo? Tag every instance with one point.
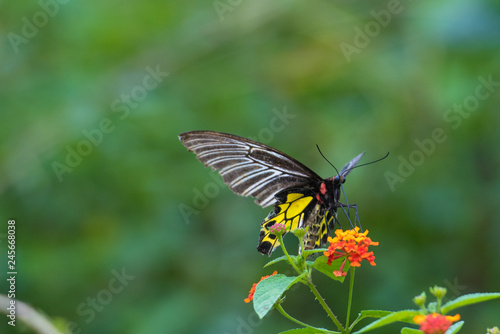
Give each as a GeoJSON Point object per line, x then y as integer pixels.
{"type": "Point", "coordinates": [296, 208]}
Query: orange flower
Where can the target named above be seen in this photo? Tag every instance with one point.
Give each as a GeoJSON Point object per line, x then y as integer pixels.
{"type": "Point", "coordinates": [435, 323]}
{"type": "Point", "coordinates": [254, 286]}
{"type": "Point", "coordinates": [352, 245]}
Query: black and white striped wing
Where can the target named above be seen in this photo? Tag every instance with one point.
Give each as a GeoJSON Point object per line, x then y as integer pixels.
{"type": "Point", "coordinates": [249, 168]}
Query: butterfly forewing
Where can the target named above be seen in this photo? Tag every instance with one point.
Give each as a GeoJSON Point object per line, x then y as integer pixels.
{"type": "Point", "coordinates": [249, 168]}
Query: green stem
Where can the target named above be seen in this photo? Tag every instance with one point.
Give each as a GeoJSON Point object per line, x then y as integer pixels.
{"type": "Point", "coordinates": [289, 317]}
{"type": "Point", "coordinates": [280, 239]}
{"type": "Point", "coordinates": [358, 319]}
{"type": "Point", "coordinates": [326, 307]}
{"type": "Point", "coordinates": [349, 301]}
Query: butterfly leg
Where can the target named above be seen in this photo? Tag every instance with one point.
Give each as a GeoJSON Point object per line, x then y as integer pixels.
{"type": "Point", "coordinates": [348, 213]}
{"type": "Point", "coordinates": [357, 222]}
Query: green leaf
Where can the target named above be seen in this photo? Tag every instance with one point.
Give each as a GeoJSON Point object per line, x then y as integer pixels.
{"type": "Point", "coordinates": [404, 316]}
{"type": "Point", "coordinates": [270, 290]}
{"type": "Point", "coordinates": [320, 264]}
{"type": "Point", "coordinates": [454, 328]}
{"type": "Point", "coordinates": [370, 314]}
{"type": "Point", "coordinates": [276, 260]}
{"type": "Point", "coordinates": [313, 251]}
{"type": "Point", "coordinates": [465, 300]}
{"type": "Point", "coordinates": [374, 313]}
{"type": "Point", "coordinates": [407, 330]}
{"type": "Point", "coordinates": [306, 331]}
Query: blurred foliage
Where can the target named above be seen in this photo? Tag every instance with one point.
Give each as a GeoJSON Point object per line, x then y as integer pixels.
{"type": "Point", "coordinates": [235, 70]}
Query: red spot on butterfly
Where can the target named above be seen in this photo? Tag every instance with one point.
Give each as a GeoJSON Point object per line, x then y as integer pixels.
{"type": "Point", "coordinates": [322, 188]}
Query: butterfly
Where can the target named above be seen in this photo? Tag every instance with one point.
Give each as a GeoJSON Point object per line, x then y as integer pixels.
{"type": "Point", "coordinates": [301, 198]}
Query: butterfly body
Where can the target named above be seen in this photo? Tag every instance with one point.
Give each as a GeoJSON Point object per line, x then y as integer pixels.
{"type": "Point", "coordinates": [314, 207]}
{"type": "Point", "coordinates": [300, 197]}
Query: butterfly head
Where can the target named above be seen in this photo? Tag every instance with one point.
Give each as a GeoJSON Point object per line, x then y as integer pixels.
{"type": "Point", "coordinates": [338, 180]}
{"type": "Point", "coordinates": [330, 188]}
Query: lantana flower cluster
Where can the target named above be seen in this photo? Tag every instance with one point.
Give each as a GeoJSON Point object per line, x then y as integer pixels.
{"type": "Point", "coordinates": [352, 245]}
{"type": "Point", "coordinates": [435, 323]}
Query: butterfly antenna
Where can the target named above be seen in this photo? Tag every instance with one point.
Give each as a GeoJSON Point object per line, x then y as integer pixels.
{"type": "Point", "coordinates": [317, 146]}
{"type": "Point", "coordinates": [371, 162]}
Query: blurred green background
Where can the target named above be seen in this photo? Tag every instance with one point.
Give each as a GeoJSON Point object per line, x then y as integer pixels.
{"type": "Point", "coordinates": [94, 174]}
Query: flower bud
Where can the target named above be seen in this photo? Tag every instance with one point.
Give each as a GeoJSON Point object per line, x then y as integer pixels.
{"type": "Point", "coordinates": [420, 299]}
{"type": "Point", "coordinates": [438, 292]}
